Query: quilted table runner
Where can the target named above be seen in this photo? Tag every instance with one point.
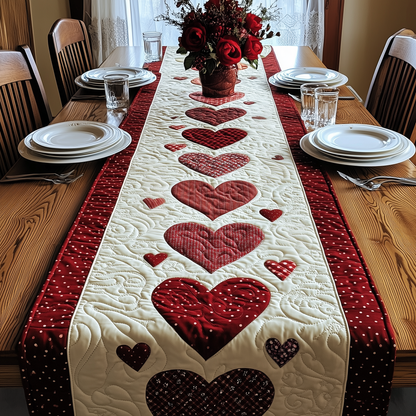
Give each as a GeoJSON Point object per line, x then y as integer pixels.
{"type": "Point", "coordinates": [218, 278]}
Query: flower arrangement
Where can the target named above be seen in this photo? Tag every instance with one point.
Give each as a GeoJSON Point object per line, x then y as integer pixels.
{"type": "Point", "coordinates": [221, 33]}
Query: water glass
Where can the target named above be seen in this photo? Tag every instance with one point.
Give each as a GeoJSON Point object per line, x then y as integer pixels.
{"type": "Point", "coordinates": [116, 91]}
{"type": "Point", "coordinates": [152, 46]}
{"type": "Point", "coordinates": [326, 102]}
{"type": "Point", "coordinates": [307, 94]}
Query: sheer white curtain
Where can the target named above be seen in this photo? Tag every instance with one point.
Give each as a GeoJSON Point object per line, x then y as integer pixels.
{"type": "Point", "coordinates": [122, 22]}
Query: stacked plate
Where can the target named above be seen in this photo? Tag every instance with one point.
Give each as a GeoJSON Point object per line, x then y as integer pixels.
{"type": "Point", "coordinates": [293, 78]}
{"type": "Point", "coordinates": [73, 142]}
{"type": "Point", "coordinates": [94, 79]}
{"type": "Point", "coordinates": [358, 145]}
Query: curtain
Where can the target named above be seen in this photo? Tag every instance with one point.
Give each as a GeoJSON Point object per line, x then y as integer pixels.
{"type": "Point", "coordinates": [122, 22]}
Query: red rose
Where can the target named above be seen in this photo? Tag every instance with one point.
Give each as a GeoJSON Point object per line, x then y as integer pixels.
{"type": "Point", "coordinates": [194, 37]}
{"type": "Point", "coordinates": [228, 50]}
{"type": "Point", "coordinates": [253, 23]}
{"type": "Point", "coordinates": [211, 3]}
{"type": "Point", "coordinates": [252, 48]}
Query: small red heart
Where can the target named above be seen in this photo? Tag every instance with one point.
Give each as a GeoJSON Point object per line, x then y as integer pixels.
{"type": "Point", "coordinates": [181, 126]}
{"type": "Point", "coordinates": [153, 203]}
{"type": "Point", "coordinates": [271, 214]}
{"type": "Point", "coordinates": [282, 269]}
{"type": "Point", "coordinates": [259, 118]}
{"type": "Point", "coordinates": [136, 357]}
{"type": "Point", "coordinates": [282, 354]}
{"type": "Point", "coordinates": [197, 96]}
{"type": "Point", "coordinates": [180, 78]}
{"type": "Point", "coordinates": [249, 102]}
{"type": "Point", "coordinates": [278, 157]}
{"type": "Point", "coordinates": [214, 139]}
{"type": "Point", "coordinates": [155, 259]}
{"type": "Point", "coordinates": [174, 147]}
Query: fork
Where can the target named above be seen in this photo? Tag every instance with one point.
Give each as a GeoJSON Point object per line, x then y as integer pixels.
{"type": "Point", "coordinates": [369, 185]}
{"type": "Point", "coordinates": [65, 180]}
{"type": "Point", "coordinates": [27, 175]}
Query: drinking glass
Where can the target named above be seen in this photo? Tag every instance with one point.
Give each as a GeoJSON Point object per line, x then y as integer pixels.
{"type": "Point", "coordinates": [116, 91]}
{"type": "Point", "coordinates": [307, 94]}
{"type": "Point", "coordinates": [152, 46]}
{"type": "Point", "coordinates": [326, 102]}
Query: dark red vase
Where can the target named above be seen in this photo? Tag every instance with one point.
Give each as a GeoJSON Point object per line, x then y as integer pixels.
{"type": "Point", "coordinates": [220, 83]}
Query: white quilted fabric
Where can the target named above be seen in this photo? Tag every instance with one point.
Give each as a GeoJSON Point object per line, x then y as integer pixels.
{"type": "Point", "coordinates": [116, 307]}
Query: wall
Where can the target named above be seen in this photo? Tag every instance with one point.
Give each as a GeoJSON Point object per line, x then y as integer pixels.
{"type": "Point", "coordinates": [367, 24]}
{"type": "Point", "coordinates": [44, 14]}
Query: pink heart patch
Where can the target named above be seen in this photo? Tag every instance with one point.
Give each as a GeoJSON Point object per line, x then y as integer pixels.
{"type": "Point", "coordinates": [174, 147]}
{"type": "Point", "coordinates": [214, 202]}
{"type": "Point", "coordinates": [214, 166]}
{"type": "Point", "coordinates": [208, 320]}
{"type": "Point", "coordinates": [197, 96]}
{"type": "Point", "coordinates": [215, 117]}
{"type": "Point", "coordinates": [242, 391]}
{"type": "Point", "coordinates": [213, 249]}
{"type": "Point", "coordinates": [178, 127]}
{"type": "Point", "coordinates": [271, 214]}
{"type": "Point", "coordinates": [136, 357]}
{"type": "Point", "coordinates": [153, 203]}
{"type": "Point", "coordinates": [155, 259]}
{"type": "Point", "coordinates": [214, 139]}
{"type": "Point", "coordinates": [282, 269]}
{"type": "Point", "coordinates": [282, 354]}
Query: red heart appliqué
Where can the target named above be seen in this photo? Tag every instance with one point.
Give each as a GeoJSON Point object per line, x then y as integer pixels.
{"type": "Point", "coordinates": [214, 166]}
{"type": "Point", "coordinates": [136, 357]}
{"type": "Point", "coordinates": [242, 391]}
{"type": "Point", "coordinates": [208, 320]}
{"type": "Point", "coordinates": [178, 127]}
{"type": "Point", "coordinates": [271, 214]}
{"type": "Point", "coordinates": [278, 157]}
{"type": "Point", "coordinates": [213, 249]}
{"type": "Point", "coordinates": [197, 96]}
{"type": "Point", "coordinates": [214, 202]}
{"type": "Point", "coordinates": [215, 117]}
{"type": "Point", "coordinates": [214, 139]}
{"type": "Point", "coordinates": [282, 269]}
{"type": "Point", "coordinates": [155, 259]}
{"type": "Point", "coordinates": [282, 354]}
{"type": "Point", "coordinates": [153, 202]}
{"type": "Point", "coordinates": [174, 147]}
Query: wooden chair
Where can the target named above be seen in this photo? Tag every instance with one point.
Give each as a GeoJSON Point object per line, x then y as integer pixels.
{"type": "Point", "coordinates": [24, 106]}
{"type": "Point", "coordinates": [71, 55]}
{"type": "Point", "coordinates": [391, 97]}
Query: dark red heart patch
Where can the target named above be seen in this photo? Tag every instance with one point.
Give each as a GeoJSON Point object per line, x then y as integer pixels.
{"type": "Point", "coordinates": [209, 320]}
{"type": "Point", "coordinates": [243, 391]}
{"type": "Point", "coordinates": [271, 214]}
{"type": "Point", "coordinates": [134, 357]}
{"type": "Point", "coordinates": [174, 147]}
{"type": "Point", "coordinates": [282, 354]}
{"type": "Point", "coordinates": [214, 166]}
{"type": "Point", "coordinates": [213, 249]}
{"type": "Point", "coordinates": [155, 259]}
{"type": "Point", "coordinates": [214, 139]}
{"type": "Point", "coordinates": [197, 96]}
{"type": "Point", "coordinates": [153, 202]}
{"type": "Point", "coordinates": [215, 117]}
{"type": "Point", "coordinates": [214, 202]}
{"type": "Point", "coordinates": [282, 269]}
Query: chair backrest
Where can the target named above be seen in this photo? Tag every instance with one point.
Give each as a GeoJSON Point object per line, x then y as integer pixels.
{"type": "Point", "coordinates": [24, 106]}
{"type": "Point", "coordinates": [71, 55]}
{"type": "Point", "coordinates": [391, 98]}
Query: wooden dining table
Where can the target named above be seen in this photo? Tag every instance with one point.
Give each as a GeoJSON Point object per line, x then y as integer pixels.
{"type": "Point", "coordinates": [35, 217]}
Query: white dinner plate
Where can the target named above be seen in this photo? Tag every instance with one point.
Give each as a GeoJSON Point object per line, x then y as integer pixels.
{"type": "Point", "coordinates": [308, 148]}
{"type": "Point", "coordinates": [65, 153]}
{"type": "Point", "coordinates": [280, 77]}
{"type": "Point", "coordinates": [403, 146]}
{"type": "Point", "coordinates": [310, 74]}
{"type": "Point", "coordinates": [36, 157]}
{"type": "Point", "coordinates": [358, 138]}
{"type": "Point", "coordinates": [76, 134]}
{"type": "Point", "coordinates": [98, 74]}
{"type": "Point", "coordinates": [135, 84]}
{"type": "Point", "coordinates": [277, 83]}
{"type": "Point", "coordinates": [132, 80]}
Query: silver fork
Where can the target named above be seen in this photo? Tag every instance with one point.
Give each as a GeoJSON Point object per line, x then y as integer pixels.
{"type": "Point", "coordinates": [27, 175]}
{"type": "Point", "coordinates": [369, 185]}
{"type": "Point", "coordinates": [65, 180]}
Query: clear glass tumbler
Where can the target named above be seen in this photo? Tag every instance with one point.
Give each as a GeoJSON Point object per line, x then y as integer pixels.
{"type": "Point", "coordinates": [152, 42]}
{"type": "Point", "coordinates": [307, 95]}
{"type": "Point", "coordinates": [326, 103]}
{"type": "Point", "coordinates": [116, 91]}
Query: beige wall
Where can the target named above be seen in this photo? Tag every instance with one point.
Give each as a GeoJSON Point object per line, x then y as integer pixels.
{"type": "Point", "coordinates": [366, 27]}
{"type": "Point", "coordinates": [44, 14]}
